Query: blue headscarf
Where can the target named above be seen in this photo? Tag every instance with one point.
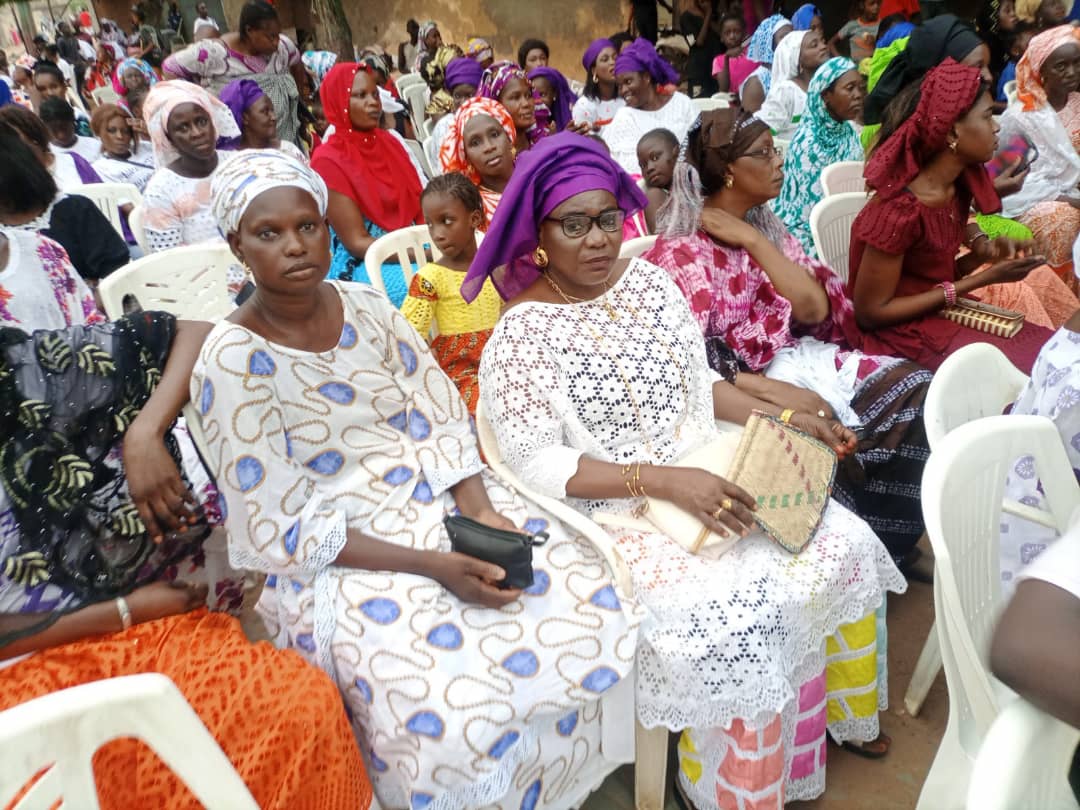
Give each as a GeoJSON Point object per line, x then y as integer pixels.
{"type": "Point", "coordinates": [761, 46]}
{"type": "Point", "coordinates": [5, 94]}
{"type": "Point", "coordinates": [802, 18]}
{"type": "Point", "coordinates": [897, 31]}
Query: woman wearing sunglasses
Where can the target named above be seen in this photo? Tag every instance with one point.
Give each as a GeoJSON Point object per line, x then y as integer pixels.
{"type": "Point", "coordinates": [596, 383]}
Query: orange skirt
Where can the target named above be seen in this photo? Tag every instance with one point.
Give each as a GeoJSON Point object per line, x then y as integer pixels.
{"type": "Point", "coordinates": [280, 721]}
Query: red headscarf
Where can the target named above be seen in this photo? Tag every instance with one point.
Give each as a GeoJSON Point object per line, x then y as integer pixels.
{"type": "Point", "coordinates": [947, 93]}
{"type": "Point", "coordinates": [370, 168]}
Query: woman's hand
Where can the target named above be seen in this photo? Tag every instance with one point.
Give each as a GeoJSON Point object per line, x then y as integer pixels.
{"type": "Point", "coordinates": [496, 520]}
{"type": "Point", "coordinates": [161, 599]}
{"type": "Point", "coordinates": [1000, 249]}
{"type": "Point", "coordinates": [802, 400]}
{"type": "Point", "coordinates": [472, 580]}
{"type": "Point", "coordinates": [580, 127]}
{"type": "Point", "coordinates": [1010, 180]}
{"type": "Point", "coordinates": [1012, 270]}
{"type": "Point", "coordinates": [162, 499]}
{"type": "Point", "coordinates": [721, 505]}
{"type": "Point", "coordinates": [828, 431]}
{"type": "Point", "coordinates": [723, 227]}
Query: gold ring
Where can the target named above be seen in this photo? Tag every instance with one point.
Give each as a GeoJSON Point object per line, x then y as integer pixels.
{"type": "Point", "coordinates": [716, 515]}
{"type": "Point", "coordinates": [726, 504]}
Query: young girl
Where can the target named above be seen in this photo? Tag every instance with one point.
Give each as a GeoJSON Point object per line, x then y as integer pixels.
{"type": "Point", "coordinates": [657, 152]}
{"type": "Point", "coordinates": [732, 67]}
{"type": "Point", "coordinates": [859, 33]}
{"type": "Point", "coordinates": [454, 212]}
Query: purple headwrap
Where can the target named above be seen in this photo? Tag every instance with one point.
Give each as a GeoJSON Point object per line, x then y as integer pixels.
{"type": "Point", "coordinates": [545, 177]}
{"type": "Point", "coordinates": [564, 96]}
{"type": "Point", "coordinates": [592, 53]}
{"type": "Point", "coordinates": [462, 70]}
{"type": "Point", "coordinates": [238, 96]}
{"type": "Point", "coordinates": [640, 56]}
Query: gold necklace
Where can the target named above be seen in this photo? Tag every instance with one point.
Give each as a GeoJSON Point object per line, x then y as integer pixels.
{"type": "Point", "coordinates": [611, 311]}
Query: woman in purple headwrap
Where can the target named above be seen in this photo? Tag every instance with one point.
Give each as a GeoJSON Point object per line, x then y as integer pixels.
{"type": "Point", "coordinates": [253, 112]}
{"type": "Point", "coordinates": [600, 99]}
{"type": "Point", "coordinates": [596, 383]}
{"type": "Point", "coordinates": [461, 79]}
{"type": "Point", "coordinates": [554, 90]}
{"type": "Point", "coordinates": [507, 84]}
{"type": "Point", "coordinates": [647, 85]}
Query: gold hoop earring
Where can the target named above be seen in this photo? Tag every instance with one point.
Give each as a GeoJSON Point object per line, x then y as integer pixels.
{"type": "Point", "coordinates": [729, 181]}
{"type": "Point", "coordinates": [540, 258]}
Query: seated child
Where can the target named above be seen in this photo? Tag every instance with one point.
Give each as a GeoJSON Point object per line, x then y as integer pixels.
{"type": "Point", "coordinates": [453, 212]}
{"type": "Point", "coordinates": [657, 152]}
{"type": "Point", "coordinates": [731, 68]}
{"type": "Point", "coordinates": [859, 33]}
{"type": "Point", "coordinates": [1017, 40]}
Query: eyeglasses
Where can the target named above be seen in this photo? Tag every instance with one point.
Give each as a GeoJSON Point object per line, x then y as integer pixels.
{"type": "Point", "coordinates": [576, 226]}
{"type": "Point", "coordinates": [765, 153]}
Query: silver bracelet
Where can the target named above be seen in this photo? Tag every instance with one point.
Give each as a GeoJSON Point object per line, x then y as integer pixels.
{"type": "Point", "coordinates": [124, 611]}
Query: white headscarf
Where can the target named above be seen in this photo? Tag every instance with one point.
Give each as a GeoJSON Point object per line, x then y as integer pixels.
{"type": "Point", "coordinates": [786, 59]}
{"type": "Point", "coordinates": [247, 174]}
{"type": "Point", "coordinates": [164, 97]}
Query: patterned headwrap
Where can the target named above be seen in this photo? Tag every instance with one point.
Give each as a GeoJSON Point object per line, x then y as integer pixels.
{"type": "Point", "coordinates": [246, 175]}
{"type": "Point", "coordinates": [640, 56]}
{"type": "Point", "coordinates": [803, 16]}
{"type": "Point", "coordinates": [1026, 9]}
{"type": "Point", "coordinates": [164, 97]}
{"type": "Point", "coordinates": [238, 95]}
{"type": "Point", "coordinates": [421, 49]}
{"type": "Point", "coordinates": [319, 63]}
{"type": "Point", "coordinates": [26, 61]}
{"type": "Point", "coordinates": [546, 176]}
{"type": "Point", "coordinates": [947, 93]}
{"type": "Point", "coordinates": [761, 48]}
{"type": "Point", "coordinates": [493, 83]}
{"type": "Point", "coordinates": [593, 52]}
{"type": "Point", "coordinates": [143, 68]}
{"type": "Point", "coordinates": [479, 50]}
{"type": "Point", "coordinates": [452, 152]}
{"type": "Point", "coordinates": [1029, 85]}
{"type": "Point", "coordinates": [786, 59]}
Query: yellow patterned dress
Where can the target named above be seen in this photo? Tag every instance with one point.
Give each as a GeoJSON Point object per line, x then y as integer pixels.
{"type": "Point", "coordinates": [461, 329]}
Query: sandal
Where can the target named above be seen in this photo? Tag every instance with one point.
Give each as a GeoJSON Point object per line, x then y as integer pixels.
{"type": "Point", "coordinates": [871, 749]}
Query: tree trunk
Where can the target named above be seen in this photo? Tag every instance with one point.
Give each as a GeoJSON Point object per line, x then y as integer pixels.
{"type": "Point", "coordinates": [332, 32]}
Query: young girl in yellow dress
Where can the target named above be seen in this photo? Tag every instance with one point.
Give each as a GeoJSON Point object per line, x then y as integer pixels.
{"type": "Point", "coordinates": [454, 212]}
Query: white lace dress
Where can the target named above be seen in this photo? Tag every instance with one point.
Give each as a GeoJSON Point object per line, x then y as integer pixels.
{"type": "Point", "coordinates": [629, 125]}
{"type": "Point", "coordinates": [455, 706]}
{"type": "Point", "coordinates": [735, 648]}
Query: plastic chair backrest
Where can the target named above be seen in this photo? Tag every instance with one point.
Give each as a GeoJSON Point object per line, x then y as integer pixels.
{"type": "Point", "coordinates": [1010, 91]}
{"type": "Point", "coordinates": [705, 104]}
{"type": "Point", "coordinates": [830, 226]}
{"type": "Point", "coordinates": [108, 197]}
{"type": "Point", "coordinates": [63, 730]}
{"type": "Point", "coordinates": [135, 223]}
{"type": "Point", "coordinates": [962, 489]}
{"type": "Point", "coordinates": [421, 156]}
{"type": "Point", "coordinates": [189, 282]}
{"type": "Point", "coordinates": [632, 248]}
{"type": "Point", "coordinates": [416, 97]}
{"type": "Point", "coordinates": [104, 95]}
{"type": "Point", "coordinates": [1023, 762]}
{"type": "Point", "coordinates": [975, 381]}
{"type": "Point", "coordinates": [407, 81]}
{"type": "Point", "coordinates": [845, 176]}
{"type": "Point", "coordinates": [406, 245]}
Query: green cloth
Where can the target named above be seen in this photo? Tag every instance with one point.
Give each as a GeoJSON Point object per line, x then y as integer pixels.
{"type": "Point", "coordinates": [878, 62]}
{"type": "Point", "coordinates": [995, 225]}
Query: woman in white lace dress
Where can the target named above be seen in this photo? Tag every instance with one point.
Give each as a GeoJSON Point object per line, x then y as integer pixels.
{"type": "Point", "coordinates": [596, 382]}
{"type": "Point", "coordinates": [339, 446]}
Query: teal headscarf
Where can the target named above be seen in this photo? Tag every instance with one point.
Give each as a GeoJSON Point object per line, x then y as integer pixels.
{"type": "Point", "coordinates": [819, 141]}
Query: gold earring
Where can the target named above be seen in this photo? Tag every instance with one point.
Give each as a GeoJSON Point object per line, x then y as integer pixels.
{"type": "Point", "coordinates": [729, 181]}
{"type": "Point", "coordinates": [952, 146]}
{"type": "Point", "coordinates": [540, 258]}
{"type": "Point", "coordinates": [513, 153]}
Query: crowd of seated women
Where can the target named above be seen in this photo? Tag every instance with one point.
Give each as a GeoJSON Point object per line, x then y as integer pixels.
{"type": "Point", "coordinates": [340, 420]}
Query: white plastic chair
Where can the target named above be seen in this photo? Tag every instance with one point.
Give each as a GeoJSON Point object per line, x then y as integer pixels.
{"type": "Point", "coordinates": [973, 382]}
{"type": "Point", "coordinates": [104, 95]}
{"type": "Point", "coordinates": [406, 81]}
{"type": "Point", "coordinates": [189, 282]}
{"type": "Point", "coordinates": [845, 176]}
{"type": "Point", "coordinates": [135, 223]}
{"type": "Point", "coordinates": [650, 769]}
{"type": "Point", "coordinates": [1023, 762]}
{"type": "Point", "coordinates": [703, 104]}
{"type": "Point", "coordinates": [416, 96]}
{"type": "Point", "coordinates": [66, 728]}
{"type": "Point", "coordinates": [962, 489]}
{"type": "Point", "coordinates": [1010, 91]}
{"type": "Point", "coordinates": [421, 156]}
{"type": "Point", "coordinates": [577, 87]}
{"type": "Point", "coordinates": [632, 248]}
{"type": "Point", "coordinates": [406, 245]}
{"type": "Point", "coordinates": [108, 197]}
{"type": "Point", "coordinates": [830, 226]}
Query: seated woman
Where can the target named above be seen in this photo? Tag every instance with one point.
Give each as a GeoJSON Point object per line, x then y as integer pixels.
{"type": "Point", "coordinates": [69, 169]}
{"type": "Point", "coordinates": [825, 136]}
{"type": "Point", "coordinates": [798, 56]}
{"type": "Point", "coordinates": [595, 381]}
{"type": "Point", "coordinates": [600, 99]}
{"type": "Point", "coordinates": [480, 145]}
{"type": "Point", "coordinates": [785, 317]}
{"type": "Point", "coordinates": [762, 49]}
{"type": "Point", "coordinates": [253, 112]}
{"type": "Point", "coordinates": [533, 53]}
{"type": "Point", "coordinates": [1047, 114]}
{"type": "Point", "coordinates": [374, 186]}
{"type": "Point", "coordinates": [124, 158]}
{"type": "Point", "coordinates": [133, 75]}
{"type": "Point", "coordinates": [185, 123]}
{"type": "Point", "coordinates": [35, 204]}
{"type": "Point", "coordinates": [507, 84]}
{"type": "Point", "coordinates": [554, 90]}
{"type": "Point", "coordinates": [926, 172]}
{"type": "Point", "coordinates": [461, 81]}
{"type": "Point", "coordinates": [59, 118]}
{"type": "Point", "coordinates": [647, 84]}
{"type": "Point", "coordinates": [454, 213]}
{"type": "Point", "coordinates": [88, 591]}
{"type": "Point", "coordinates": [340, 499]}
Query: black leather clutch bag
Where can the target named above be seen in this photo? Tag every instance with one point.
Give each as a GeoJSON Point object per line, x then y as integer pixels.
{"type": "Point", "coordinates": [511, 551]}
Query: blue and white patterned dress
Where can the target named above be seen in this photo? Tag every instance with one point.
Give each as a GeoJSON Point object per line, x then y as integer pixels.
{"type": "Point", "coordinates": [454, 705]}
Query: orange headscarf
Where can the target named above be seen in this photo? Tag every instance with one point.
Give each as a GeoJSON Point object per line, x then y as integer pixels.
{"type": "Point", "coordinates": [1029, 85]}
{"type": "Point", "coordinates": [371, 168]}
{"type": "Point", "coordinates": [452, 152]}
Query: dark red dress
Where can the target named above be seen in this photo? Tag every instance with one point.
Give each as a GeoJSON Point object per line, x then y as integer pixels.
{"type": "Point", "coordinates": [928, 239]}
